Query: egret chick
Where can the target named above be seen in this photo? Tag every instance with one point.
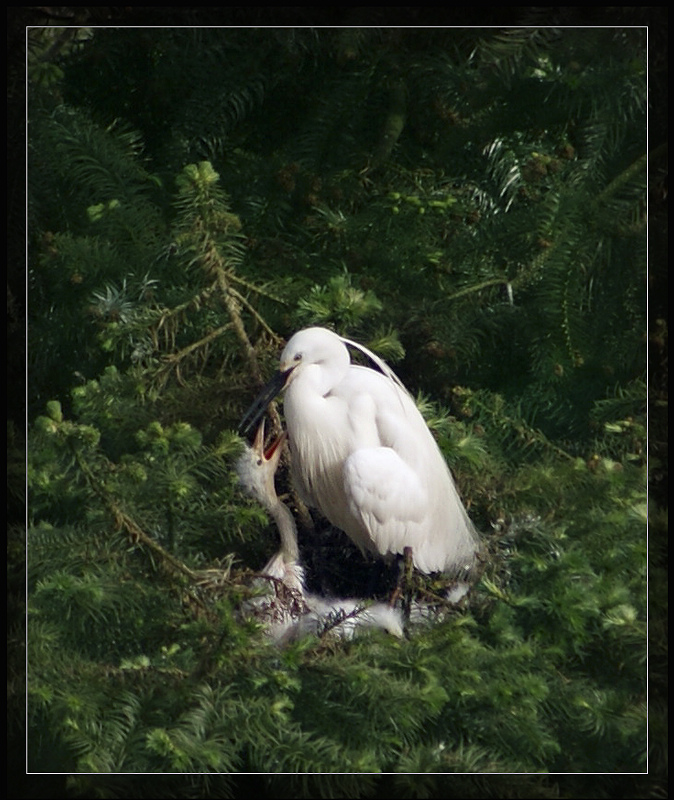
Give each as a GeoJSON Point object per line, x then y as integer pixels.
{"type": "Point", "coordinates": [343, 617]}
{"type": "Point", "coordinates": [256, 468]}
{"type": "Point", "coordinates": [363, 455]}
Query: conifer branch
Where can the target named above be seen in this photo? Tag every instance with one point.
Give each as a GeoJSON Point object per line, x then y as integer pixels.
{"type": "Point", "coordinates": [637, 167]}
{"type": "Point", "coordinates": [173, 359]}
{"type": "Point", "coordinates": [234, 278]}
{"type": "Point", "coordinates": [254, 312]}
{"type": "Point", "coordinates": [230, 304]}
{"type": "Point", "coordinates": [478, 287]}
{"type": "Point", "coordinates": [127, 523]}
{"type": "Point", "coordinates": [193, 303]}
{"type": "Point", "coordinates": [526, 433]}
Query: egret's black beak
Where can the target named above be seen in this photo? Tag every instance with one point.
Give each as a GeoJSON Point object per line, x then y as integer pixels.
{"type": "Point", "coordinates": [255, 413]}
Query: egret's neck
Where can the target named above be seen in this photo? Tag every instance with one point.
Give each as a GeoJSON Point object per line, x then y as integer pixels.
{"type": "Point", "coordinates": [287, 531]}
{"type": "Point", "coordinates": [318, 380]}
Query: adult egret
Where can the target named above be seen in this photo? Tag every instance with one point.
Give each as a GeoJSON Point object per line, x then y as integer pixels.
{"type": "Point", "coordinates": [293, 612]}
{"type": "Point", "coordinates": [363, 455]}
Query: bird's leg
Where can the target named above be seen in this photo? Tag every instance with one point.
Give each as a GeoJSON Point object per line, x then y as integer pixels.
{"type": "Point", "coordinates": [395, 594]}
{"type": "Point", "coordinates": [408, 562]}
{"type": "Point", "coordinates": [403, 586]}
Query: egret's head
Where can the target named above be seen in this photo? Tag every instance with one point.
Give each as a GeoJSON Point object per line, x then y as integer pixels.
{"type": "Point", "coordinates": [312, 346]}
{"type": "Point", "coordinates": [257, 466]}
{"type": "Point", "coordinates": [381, 615]}
{"type": "Point", "coordinates": [317, 352]}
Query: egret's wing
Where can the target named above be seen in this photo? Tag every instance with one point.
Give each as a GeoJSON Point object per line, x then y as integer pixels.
{"type": "Point", "coordinates": [385, 495]}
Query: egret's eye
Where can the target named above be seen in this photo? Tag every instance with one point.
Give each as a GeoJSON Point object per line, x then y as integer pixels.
{"type": "Point", "coordinates": [297, 357]}
{"type": "Point", "coordinates": [259, 462]}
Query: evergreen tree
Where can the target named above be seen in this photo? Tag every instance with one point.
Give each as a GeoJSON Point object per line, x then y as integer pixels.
{"type": "Point", "coordinates": [468, 203]}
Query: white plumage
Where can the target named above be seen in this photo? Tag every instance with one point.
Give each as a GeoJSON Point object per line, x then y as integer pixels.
{"type": "Point", "coordinates": [363, 455]}
{"type": "Point", "coordinates": [343, 617]}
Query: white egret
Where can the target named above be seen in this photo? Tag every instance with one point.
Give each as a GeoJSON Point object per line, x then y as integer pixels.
{"type": "Point", "coordinates": [363, 455]}
{"type": "Point", "coordinates": [293, 612]}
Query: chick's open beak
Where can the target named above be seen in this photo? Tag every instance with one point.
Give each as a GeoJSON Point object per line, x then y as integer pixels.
{"type": "Point", "coordinates": [274, 449]}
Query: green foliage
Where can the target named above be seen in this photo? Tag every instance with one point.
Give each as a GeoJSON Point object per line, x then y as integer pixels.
{"type": "Point", "coordinates": [470, 204]}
